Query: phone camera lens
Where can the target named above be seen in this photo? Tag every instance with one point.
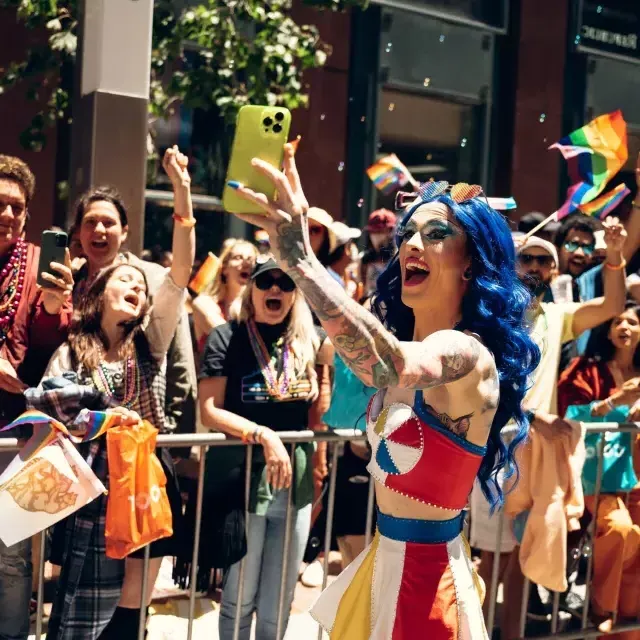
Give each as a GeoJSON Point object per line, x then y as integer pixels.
{"type": "Point", "coordinates": [279, 116]}
{"type": "Point", "coordinates": [267, 122]}
{"type": "Point", "coordinates": [277, 128]}
{"type": "Point", "coordinates": [61, 241]}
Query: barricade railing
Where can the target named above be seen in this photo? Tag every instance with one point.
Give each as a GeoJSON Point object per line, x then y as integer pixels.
{"type": "Point", "coordinates": [203, 441]}
{"type": "Point", "coordinates": [585, 631]}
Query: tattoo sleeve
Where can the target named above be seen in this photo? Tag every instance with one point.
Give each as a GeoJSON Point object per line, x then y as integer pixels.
{"type": "Point", "coordinates": [374, 354]}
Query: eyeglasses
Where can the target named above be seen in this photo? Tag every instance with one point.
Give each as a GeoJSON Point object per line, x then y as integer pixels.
{"type": "Point", "coordinates": [315, 231]}
{"type": "Point", "coordinates": [572, 246]}
{"type": "Point", "coordinates": [528, 258]}
{"type": "Point", "coordinates": [265, 281]}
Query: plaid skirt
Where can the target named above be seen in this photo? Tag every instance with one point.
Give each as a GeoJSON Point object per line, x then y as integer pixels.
{"type": "Point", "coordinates": [90, 583]}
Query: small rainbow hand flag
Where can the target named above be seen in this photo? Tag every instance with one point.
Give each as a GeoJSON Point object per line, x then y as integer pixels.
{"type": "Point", "coordinates": [206, 274]}
{"type": "Point", "coordinates": [88, 425]}
{"type": "Point", "coordinates": [594, 154]}
{"type": "Point", "coordinates": [388, 174]}
{"type": "Point", "coordinates": [601, 207]}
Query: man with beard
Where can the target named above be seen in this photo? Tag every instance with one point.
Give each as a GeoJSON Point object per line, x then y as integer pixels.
{"type": "Point", "coordinates": [555, 324]}
{"type": "Point", "coordinates": [552, 325]}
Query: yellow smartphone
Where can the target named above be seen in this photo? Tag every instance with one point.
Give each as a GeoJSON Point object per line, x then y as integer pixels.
{"type": "Point", "coordinates": [261, 132]}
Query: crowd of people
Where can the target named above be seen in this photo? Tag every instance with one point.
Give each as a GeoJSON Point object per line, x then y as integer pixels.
{"type": "Point", "coordinates": [480, 338]}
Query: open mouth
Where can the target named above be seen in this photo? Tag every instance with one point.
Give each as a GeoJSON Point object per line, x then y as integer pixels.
{"type": "Point", "coordinates": [132, 299]}
{"type": "Point", "coordinates": [415, 272]}
{"type": "Point", "coordinates": [244, 276]}
{"type": "Point", "coordinates": [273, 304]}
{"type": "Point", "coordinates": [100, 245]}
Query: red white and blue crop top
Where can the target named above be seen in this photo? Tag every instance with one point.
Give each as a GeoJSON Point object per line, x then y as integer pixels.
{"type": "Point", "coordinates": [415, 455]}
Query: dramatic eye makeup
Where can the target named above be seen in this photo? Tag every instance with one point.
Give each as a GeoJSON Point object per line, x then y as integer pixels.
{"type": "Point", "coordinates": [431, 232]}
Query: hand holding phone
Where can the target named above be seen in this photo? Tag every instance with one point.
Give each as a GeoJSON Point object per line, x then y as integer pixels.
{"type": "Point", "coordinates": [261, 132]}
{"type": "Point", "coordinates": [54, 271]}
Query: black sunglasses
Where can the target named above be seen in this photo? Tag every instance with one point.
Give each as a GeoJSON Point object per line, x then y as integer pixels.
{"type": "Point", "coordinates": [266, 280]}
{"type": "Point", "coordinates": [528, 258]}
{"type": "Point", "coordinates": [574, 246]}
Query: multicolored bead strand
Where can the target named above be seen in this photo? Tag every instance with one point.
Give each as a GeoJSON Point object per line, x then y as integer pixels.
{"type": "Point", "coordinates": [277, 386]}
{"type": "Point", "coordinates": [12, 288]}
{"type": "Point", "coordinates": [102, 379]}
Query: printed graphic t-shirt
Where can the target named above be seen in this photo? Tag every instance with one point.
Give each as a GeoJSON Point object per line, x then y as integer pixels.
{"type": "Point", "coordinates": [228, 353]}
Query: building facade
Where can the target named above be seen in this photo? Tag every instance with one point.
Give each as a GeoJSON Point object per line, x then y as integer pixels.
{"type": "Point", "coordinates": [462, 90]}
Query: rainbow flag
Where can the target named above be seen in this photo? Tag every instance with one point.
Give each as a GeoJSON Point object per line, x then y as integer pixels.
{"type": "Point", "coordinates": [601, 207]}
{"type": "Point", "coordinates": [388, 174]}
{"type": "Point", "coordinates": [594, 154]}
{"type": "Point", "coordinates": [88, 425]}
{"type": "Point", "coordinates": [206, 274]}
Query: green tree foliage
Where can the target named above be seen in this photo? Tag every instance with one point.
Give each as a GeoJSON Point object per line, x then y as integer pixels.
{"type": "Point", "coordinates": [213, 55]}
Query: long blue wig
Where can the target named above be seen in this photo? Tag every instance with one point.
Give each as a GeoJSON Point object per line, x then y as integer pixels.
{"type": "Point", "coordinates": [494, 307]}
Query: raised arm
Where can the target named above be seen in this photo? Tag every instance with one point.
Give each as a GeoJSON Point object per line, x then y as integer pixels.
{"type": "Point", "coordinates": [375, 355]}
{"type": "Point", "coordinates": [169, 299]}
{"type": "Point", "coordinates": [184, 237]}
{"type": "Point", "coordinates": [594, 312]}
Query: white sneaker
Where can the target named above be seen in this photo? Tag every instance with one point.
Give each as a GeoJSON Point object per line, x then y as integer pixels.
{"type": "Point", "coordinates": [313, 575]}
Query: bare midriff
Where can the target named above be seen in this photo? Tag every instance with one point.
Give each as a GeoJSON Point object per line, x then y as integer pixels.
{"type": "Point", "coordinates": [395, 504]}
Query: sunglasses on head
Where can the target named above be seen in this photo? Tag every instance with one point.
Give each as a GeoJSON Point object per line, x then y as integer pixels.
{"type": "Point", "coordinates": [574, 246]}
{"type": "Point", "coordinates": [265, 281]}
{"type": "Point", "coordinates": [528, 258]}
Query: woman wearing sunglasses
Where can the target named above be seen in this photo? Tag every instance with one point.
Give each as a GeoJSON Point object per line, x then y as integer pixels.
{"type": "Point", "coordinates": [258, 377]}
{"type": "Point", "coordinates": [447, 346]}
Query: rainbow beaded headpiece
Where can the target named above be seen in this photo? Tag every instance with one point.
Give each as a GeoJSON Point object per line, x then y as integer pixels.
{"type": "Point", "coordinates": [427, 191]}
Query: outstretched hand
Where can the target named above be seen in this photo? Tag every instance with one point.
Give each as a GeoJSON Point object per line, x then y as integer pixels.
{"type": "Point", "coordinates": [285, 219]}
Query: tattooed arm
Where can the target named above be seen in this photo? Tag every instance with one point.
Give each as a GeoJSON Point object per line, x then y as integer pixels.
{"type": "Point", "coordinates": [375, 355]}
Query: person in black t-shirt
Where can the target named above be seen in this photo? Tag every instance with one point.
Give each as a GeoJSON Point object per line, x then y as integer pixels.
{"type": "Point", "coordinates": [258, 377]}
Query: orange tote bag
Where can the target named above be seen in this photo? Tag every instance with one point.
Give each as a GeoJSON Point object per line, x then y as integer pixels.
{"type": "Point", "coordinates": [138, 509]}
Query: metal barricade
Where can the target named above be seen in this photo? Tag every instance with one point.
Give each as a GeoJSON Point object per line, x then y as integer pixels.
{"type": "Point", "coordinates": [585, 631]}
{"type": "Point", "coordinates": [203, 441]}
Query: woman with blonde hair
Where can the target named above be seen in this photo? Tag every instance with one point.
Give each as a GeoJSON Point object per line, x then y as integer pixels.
{"type": "Point", "coordinates": [213, 306]}
{"type": "Point", "coordinates": [258, 378]}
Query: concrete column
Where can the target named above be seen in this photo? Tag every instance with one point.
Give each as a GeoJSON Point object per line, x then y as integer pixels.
{"type": "Point", "coordinates": [539, 102]}
{"type": "Point", "coordinates": [110, 116]}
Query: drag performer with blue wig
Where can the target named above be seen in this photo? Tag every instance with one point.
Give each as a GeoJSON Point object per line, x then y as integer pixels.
{"type": "Point", "coordinates": [449, 352]}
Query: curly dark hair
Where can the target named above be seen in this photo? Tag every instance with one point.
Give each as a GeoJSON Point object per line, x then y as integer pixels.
{"type": "Point", "coordinates": [12, 168]}
{"type": "Point", "coordinates": [576, 222]}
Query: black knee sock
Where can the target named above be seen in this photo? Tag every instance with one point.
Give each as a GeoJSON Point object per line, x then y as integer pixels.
{"type": "Point", "coordinates": [123, 625]}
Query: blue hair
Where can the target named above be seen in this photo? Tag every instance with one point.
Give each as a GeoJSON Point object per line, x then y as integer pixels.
{"type": "Point", "coordinates": [493, 307]}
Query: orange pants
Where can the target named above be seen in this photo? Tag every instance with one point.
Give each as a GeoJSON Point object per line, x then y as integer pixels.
{"type": "Point", "coordinates": [615, 585]}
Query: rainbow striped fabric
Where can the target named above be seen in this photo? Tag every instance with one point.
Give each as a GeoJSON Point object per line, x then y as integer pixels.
{"type": "Point", "coordinates": [601, 207]}
{"type": "Point", "coordinates": [205, 275]}
{"type": "Point", "coordinates": [388, 174]}
{"type": "Point", "coordinates": [87, 426]}
{"type": "Point", "coordinates": [594, 154]}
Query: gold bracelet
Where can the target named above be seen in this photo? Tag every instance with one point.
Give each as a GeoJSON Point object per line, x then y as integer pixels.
{"type": "Point", "coordinates": [616, 267]}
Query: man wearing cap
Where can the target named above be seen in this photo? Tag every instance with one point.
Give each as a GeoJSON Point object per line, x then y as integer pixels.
{"type": "Point", "coordinates": [344, 252]}
{"type": "Point", "coordinates": [553, 324]}
{"type": "Point", "coordinates": [381, 227]}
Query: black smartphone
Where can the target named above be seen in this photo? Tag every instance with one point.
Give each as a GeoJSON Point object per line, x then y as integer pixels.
{"type": "Point", "coordinates": [52, 248]}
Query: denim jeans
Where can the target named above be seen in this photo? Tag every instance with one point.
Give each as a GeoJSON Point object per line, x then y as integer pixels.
{"type": "Point", "coordinates": [263, 572]}
{"type": "Point", "coordinates": [15, 590]}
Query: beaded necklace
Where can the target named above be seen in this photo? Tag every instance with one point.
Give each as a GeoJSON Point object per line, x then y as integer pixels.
{"type": "Point", "coordinates": [13, 274]}
{"type": "Point", "coordinates": [277, 386]}
{"type": "Point", "coordinates": [106, 381]}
